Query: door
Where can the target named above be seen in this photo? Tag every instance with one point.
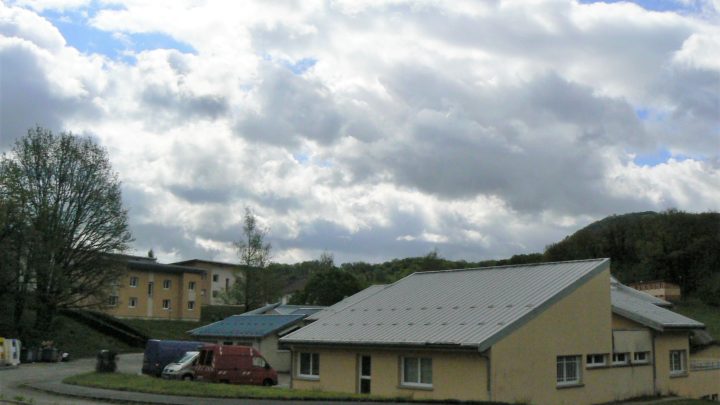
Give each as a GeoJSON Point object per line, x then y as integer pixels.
{"type": "Point", "coordinates": [365, 368]}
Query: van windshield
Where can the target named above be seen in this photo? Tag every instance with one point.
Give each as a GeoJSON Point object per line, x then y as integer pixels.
{"type": "Point", "coordinates": [187, 357]}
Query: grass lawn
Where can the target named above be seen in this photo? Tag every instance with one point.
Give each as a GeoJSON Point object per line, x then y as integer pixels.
{"type": "Point", "coordinates": [132, 382]}
{"type": "Point", "coordinates": [706, 314]}
{"type": "Point", "coordinates": [162, 329]}
{"type": "Point", "coordinates": [689, 402]}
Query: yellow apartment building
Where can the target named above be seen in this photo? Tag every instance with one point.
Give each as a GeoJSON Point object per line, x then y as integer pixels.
{"type": "Point", "coordinates": [659, 289]}
{"type": "Point", "coordinates": [219, 278]}
{"type": "Point", "coordinates": [549, 333]}
{"type": "Point", "coordinates": [151, 290]}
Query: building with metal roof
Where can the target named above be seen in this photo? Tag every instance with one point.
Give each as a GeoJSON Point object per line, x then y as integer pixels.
{"type": "Point", "coordinates": [547, 333]}
{"type": "Point", "coordinates": [351, 300]}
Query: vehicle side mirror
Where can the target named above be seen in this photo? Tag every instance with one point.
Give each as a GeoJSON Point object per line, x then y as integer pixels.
{"type": "Point", "coordinates": [267, 366]}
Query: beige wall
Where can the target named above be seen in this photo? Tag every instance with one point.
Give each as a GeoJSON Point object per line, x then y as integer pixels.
{"type": "Point", "coordinates": [278, 359]}
{"type": "Point", "coordinates": [459, 375]}
{"type": "Point", "coordinates": [663, 345]}
{"type": "Point", "coordinates": [151, 307]}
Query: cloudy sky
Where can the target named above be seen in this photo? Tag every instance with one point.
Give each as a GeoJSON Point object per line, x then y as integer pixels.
{"type": "Point", "coordinates": [376, 129]}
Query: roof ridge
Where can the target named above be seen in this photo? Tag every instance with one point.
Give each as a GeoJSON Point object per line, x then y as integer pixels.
{"type": "Point", "coordinates": [510, 266]}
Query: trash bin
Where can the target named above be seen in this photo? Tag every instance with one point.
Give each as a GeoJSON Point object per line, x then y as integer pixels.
{"type": "Point", "coordinates": [49, 354]}
{"type": "Point", "coordinates": [106, 361]}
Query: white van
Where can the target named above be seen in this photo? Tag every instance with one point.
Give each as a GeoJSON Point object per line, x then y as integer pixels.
{"type": "Point", "coordinates": [181, 369]}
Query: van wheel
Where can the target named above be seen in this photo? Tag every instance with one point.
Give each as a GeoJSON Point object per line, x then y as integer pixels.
{"type": "Point", "coordinates": [267, 382]}
{"type": "Point", "coordinates": [224, 381]}
{"type": "Point", "coordinates": [187, 377]}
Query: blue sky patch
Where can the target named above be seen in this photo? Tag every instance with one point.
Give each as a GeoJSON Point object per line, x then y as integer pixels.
{"type": "Point", "coordinates": [300, 66]}
{"type": "Point", "coordinates": [75, 28]}
{"type": "Point", "coordinates": [653, 159]}
{"type": "Point", "coordinates": [656, 5]}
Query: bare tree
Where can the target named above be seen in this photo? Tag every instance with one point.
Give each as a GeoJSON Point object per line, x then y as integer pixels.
{"type": "Point", "coordinates": [72, 217]}
{"type": "Point", "coordinates": [254, 255]}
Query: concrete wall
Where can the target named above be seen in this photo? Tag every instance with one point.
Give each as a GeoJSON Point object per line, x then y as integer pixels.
{"type": "Point", "coordinates": [278, 359]}
{"type": "Point", "coordinates": [456, 375]}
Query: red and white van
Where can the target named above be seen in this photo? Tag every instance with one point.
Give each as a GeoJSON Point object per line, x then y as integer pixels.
{"type": "Point", "coordinates": [233, 365]}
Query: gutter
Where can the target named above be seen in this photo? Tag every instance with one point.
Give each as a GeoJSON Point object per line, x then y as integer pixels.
{"type": "Point", "coordinates": [488, 370]}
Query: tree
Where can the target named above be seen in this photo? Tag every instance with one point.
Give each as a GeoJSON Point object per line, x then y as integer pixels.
{"type": "Point", "coordinates": [69, 216]}
{"type": "Point", "coordinates": [327, 284]}
{"type": "Point", "coordinates": [256, 286]}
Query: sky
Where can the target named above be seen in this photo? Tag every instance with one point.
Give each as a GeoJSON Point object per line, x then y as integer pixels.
{"type": "Point", "coordinates": [371, 129]}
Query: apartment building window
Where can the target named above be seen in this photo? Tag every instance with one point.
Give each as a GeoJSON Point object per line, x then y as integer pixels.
{"type": "Point", "coordinates": [677, 362]}
{"type": "Point", "coordinates": [416, 371]}
{"type": "Point", "coordinates": [191, 286]}
{"type": "Point", "coordinates": [132, 303]}
{"type": "Point", "coordinates": [568, 370]}
{"type": "Point", "coordinates": [216, 278]}
{"type": "Point", "coordinates": [596, 360]}
{"type": "Point", "coordinates": [166, 304]}
{"type": "Point", "coordinates": [309, 365]}
{"type": "Point", "coordinates": [112, 300]}
{"type": "Point", "coordinates": [620, 359]}
{"type": "Point", "coordinates": [150, 289]}
{"type": "Point", "coordinates": [166, 284]}
{"type": "Point", "coordinates": [215, 294]}
{"type": "Point", "coordinates": [133, 282]}
{"type": "Point", "coordinates": [191, 305]}
{"type": "Point", "coordinates": [202, 292]}
{"type": "Point", "coordinates": [641, 357]}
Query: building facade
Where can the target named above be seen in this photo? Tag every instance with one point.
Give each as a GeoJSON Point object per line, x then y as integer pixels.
{"type": "Point", "coordinates": [660, 289]}
{"type": "Point", "coordinates": [150, 290]}
{"type": "Point", "coordinates": [553, 333]}
{"type": "Point", "coordinates": [219, 279]}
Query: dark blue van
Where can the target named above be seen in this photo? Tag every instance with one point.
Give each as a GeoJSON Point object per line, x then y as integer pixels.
{"type": "Point", "coordinates": [160, 353]}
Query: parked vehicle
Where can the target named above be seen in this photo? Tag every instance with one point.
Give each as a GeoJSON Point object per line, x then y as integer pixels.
{"type": "Point", "coordinates": [234, 365]}
{"type": "Point", "coordinates": [9, 352]}
{"type": "Point", "coordinates": [181, 368]}
{"type": "Point", "coordinates": [159, 353]}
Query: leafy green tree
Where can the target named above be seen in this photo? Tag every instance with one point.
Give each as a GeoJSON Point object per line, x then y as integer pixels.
{"type": "Point", "coordinates": [69, 216]}
{"type": "Point", "coordinates": [328, 284]}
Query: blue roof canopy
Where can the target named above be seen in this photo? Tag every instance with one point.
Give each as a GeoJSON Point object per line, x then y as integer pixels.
{"type": "Point", "coordinates": [253, 326]}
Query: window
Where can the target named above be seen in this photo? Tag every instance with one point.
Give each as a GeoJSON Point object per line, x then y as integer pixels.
{"type": "Point", "coordinates": [595, 360]}
{"type": "Point", "coordinates": [133, 282]}
{"type": "Point", "coordinates": [215, 293]}
{"type": "Point", "coordinates": [309, 365]}
{"type": "Point", "coordinates": [620, 358]}
{"type": "Point", "coordinates": [191, 286]}
{"type": "Point", "coordinates": [216, 278]}
{"type": "Point", "coordinates": [191, 305]}
{"type": "Point", "coordinates": [677, 362]}
{"type": "Point", "coordinates": [166, 284]}
{"type": "Point", "coordinates": [132, 303]}
{"type": "Point", "coordinates": [112, 300]}
{"type": "Point", "coordinates": [202, 292]}
{"type": "Point", "coordinates": [166, 304]}
{"type": "Point", "coordinates": [416, 371]}
{"type": "Point", "coordinates": [228, 343]}
{"type": "Point", "coordinates": [568, 370]}
{"type": "Point", "coordinates": [641, 357]}
{"type": "Point", "coordinates": [150, 289]}
{"type": "Point", "coordinates": [258, 361]}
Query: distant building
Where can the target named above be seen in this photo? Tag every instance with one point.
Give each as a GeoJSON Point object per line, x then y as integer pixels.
{"type": "Point", "coordinates": [150, 290]}
{"type": "Point", "coordinates": [220, 278]}
{"type": "Point", "coordinates": [547, 333]}
{"type": "Point", "coordinates": [660, 289]}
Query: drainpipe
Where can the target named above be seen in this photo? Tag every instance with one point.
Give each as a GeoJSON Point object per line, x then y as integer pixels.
{"type": "Point", "coordinates": [654, 364]}
{"type": "Point", "coordinates": [488, 369]}
{"type": "Point", "coordinates": [292, 366]}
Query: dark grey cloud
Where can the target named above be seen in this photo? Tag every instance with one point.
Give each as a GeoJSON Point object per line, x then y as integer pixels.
{"type": "Point", "coordinates": [174, 105]}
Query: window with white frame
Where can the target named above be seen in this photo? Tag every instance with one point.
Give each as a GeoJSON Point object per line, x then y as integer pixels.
{"type": "Point", "coordinates": [191, 286]}
{"type": "Point", "coordinates": [641, 357]}
{"type": "Point", "coordinates": [309, 365]}
{"type": "Point", "coordinates": [166, 304]}
{"type": "Point", "coordinates": [191, 305]}
{"type": "Point", "coordinates": [112, 300]}
{"type": "Point", "coordinates": [620, 359]}
{"type": "Point", "coordinates": [596, 360]}
{"type": "Point", "coordinates": [568, 370]}
{"type": "Point", "coordinates": [677, 361]}
{"type": "Point", "coordinates": [416, 372]}
{"type": "Point", "coordinates": [133, 282]}
{"type": "Point", "coordinates": [166, 284]}
{"type": "Point", "coordinates": [132, 302]}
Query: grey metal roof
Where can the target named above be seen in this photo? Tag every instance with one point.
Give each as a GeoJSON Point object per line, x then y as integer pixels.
{"type": "Point", "coordinates": [163, 268]}
{"type": "Point", "coordinates": [247, 326]}
{"type": "Point", "coordinates": [285, 309]}
{"type": "Point", "coordinates": [351, 300]}
{"type": "Point", "coordinates": [469, 307]}
{"type": "Point", "coordinates": [627, 303]}
{"type": "Point", "coordinates": [639, 294]}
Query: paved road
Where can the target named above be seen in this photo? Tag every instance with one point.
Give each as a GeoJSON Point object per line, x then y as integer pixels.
{"type": "Point", "coordinates": [11, 379]}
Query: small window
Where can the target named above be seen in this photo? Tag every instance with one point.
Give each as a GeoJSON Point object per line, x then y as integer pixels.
{"type": "Point", "coordinates": [258, 361]}
{"type": "Point", "coordinates": [677, 362]}
{"type": "Point", "coordinates": [309, 365]}
{"type": "Point", "coordinates": [132, 303]}
{"type": "Point", "coordinates": [227, 343]}
{"type": "Point", "coordinates": [417, 371]}
{"type": "Point", "coordinates": [191, 286]}
{"type": "Point", "coordinates": [216, 278]}
{"type": "Point", "coordinates": [215, 294]}
{"type": "Point", "coordinates": [166, 304]}
{"type": "Point", "coordinates": [191, 305]}
{"type": "Point", "coordinates": [202, 292]}
{"type": "Point", "coordinates": [641, 357]}
{"type": "Point", "coordinates": [112, 300]}
{"type": "Point", "coordinates": [595, 360]}
{"type": "Point", "coordinates": [166, 284]}
{"type": "Point", "coordinates": [133, 282]}
{"type": "Point", "coordinates": [620, 359]}
{"type": "Point", "coordinates": [568, 370]}
{"type": "Point", "coordinates": [150, 289]}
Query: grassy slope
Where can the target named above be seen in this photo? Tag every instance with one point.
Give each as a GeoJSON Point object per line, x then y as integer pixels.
{"type": "Point", "coordinates": [706, 314]}
{"type": "Point", "coordinates": [130, 382]}
{"type": "Point", "coordinates": [157, 329]}
{"type": "Point", "coordinates": [82, 341]}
